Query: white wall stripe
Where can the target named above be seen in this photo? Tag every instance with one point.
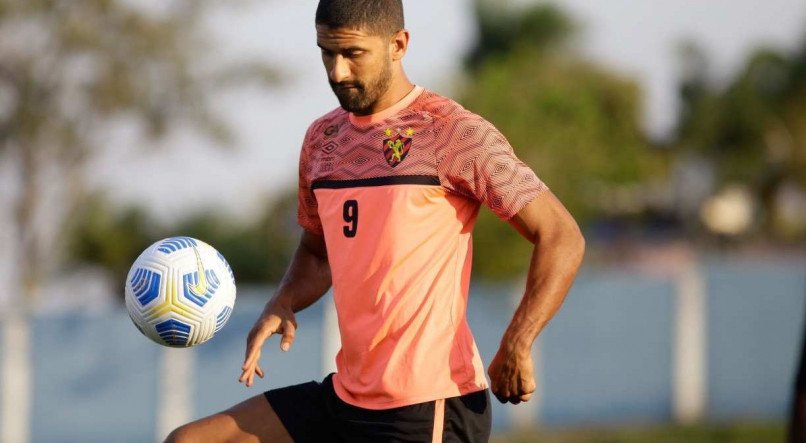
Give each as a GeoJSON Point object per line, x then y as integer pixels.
{"type": "Point", "coordinates": [15, 385]}
{"type": "Point", "coordinates": [689, 394]}
{"type": "Point", "coordinates": [175, 390]}
{"type": "Point", "coordinates": [526, 415]}
{"type": "Point", "coordinates": [331, 340]}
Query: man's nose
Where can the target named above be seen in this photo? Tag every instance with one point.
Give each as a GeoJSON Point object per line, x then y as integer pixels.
{"type": "Point", "coordinates": [340, 71]}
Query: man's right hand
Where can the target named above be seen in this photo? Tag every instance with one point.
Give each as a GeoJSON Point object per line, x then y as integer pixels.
{"type": "Point", "coordinates": [275, 319]}
{"type": "Point", "coordinates": [306, 280]}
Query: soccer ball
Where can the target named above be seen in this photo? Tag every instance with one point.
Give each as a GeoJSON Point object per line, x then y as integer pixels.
{"type": "Point", "coordinates": [180, 292]}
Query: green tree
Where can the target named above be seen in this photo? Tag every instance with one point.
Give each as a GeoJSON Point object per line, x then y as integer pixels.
{"type": "Point", "coordinates": [69, 69]}
{"type": "Point", "coordinates": [110, 237]}
{"type": "Point", "coordinates": [575, 123]}
{"type": "Point", "coordinates": [258, 251]}
{"type": "Point", "coordinates": [753, 129]}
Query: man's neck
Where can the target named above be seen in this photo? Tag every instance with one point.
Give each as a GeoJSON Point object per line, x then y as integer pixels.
{"type": "Point", "coordinates": [395, 93]}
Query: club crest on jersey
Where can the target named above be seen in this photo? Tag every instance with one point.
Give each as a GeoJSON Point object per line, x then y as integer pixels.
{"type": "Point", "coordinates": [396, 145]}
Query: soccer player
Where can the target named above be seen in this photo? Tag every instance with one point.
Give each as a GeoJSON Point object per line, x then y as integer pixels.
{"type": "Point", "coordinates": [390, 185]}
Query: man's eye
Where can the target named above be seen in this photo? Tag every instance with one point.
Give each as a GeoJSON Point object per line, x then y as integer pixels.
{"type": "Point", "coordinates": [354, 54]}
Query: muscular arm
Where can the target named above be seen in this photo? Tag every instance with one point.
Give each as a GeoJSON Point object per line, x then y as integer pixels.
{"type": "Point", "coordinates": [306, 281]}
{"type": "Point", "coordinates": [557, 255]}
{"type": "Point", "coordinates": [308, 276]}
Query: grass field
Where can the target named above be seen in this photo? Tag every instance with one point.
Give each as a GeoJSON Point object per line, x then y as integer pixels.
{"type": "Point", "coordinates": [728, 433]}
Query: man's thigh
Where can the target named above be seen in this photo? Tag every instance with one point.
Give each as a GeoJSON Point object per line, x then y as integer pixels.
{"type": "Point", "coordinates": [250, 421]}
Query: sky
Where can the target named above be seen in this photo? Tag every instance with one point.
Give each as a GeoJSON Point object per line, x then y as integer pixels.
{"type": "Point", "coordinates": [640, 39]}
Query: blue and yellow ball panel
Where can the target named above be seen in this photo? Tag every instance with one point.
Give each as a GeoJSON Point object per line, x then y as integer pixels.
{"type": "Point", "coordinates": [222, 318]}
{"type": "Point", "coordinates": [173, 302]}
{"type": "Point", "coordinates": [173, 244]}
{"type": "Point", "coordinates": [190, 283]}
{"type": "Point", "coordinates": [145, 285]}
{"type": "Point", "coordinates": [229, 269]}
{"type": "Point", "coordinates": [174, 332]}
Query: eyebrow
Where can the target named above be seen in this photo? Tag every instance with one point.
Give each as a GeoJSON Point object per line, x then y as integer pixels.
{"type": "Point", "coordinates": [347, 49]}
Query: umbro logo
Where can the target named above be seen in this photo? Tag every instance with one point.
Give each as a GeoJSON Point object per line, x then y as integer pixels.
{"type": "Point", "coordinates": [329, 147]}
{"type": "Point", "coordinates": [331, 130]}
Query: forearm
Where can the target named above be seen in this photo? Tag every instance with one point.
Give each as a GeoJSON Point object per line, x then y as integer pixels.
{"type": "Point", "coordinates": [307, 278]}
{"type": "Point", "coordinates": [555, 260]}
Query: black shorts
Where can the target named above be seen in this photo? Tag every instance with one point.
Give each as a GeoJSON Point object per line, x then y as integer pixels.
{"type": "Point", "coordinates": [312, 412]}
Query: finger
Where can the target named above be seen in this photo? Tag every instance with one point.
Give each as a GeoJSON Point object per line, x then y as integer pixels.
{"type": "Point", "coordinates": [259, 372]}
{"type": "Point", "coordinates": [289, 332]}
{"type": "Point", "coordinates": [249, 369]}
{"type": "Point", "coordinates": [246, 369]}
{"type": "Point", "coordinates": [250, 348]}
{"type": "Point", "coordinates": [528, 386]}
{"type": "Point", "coordinates": [253, 357]}
{"type": "Point", "coordinates": [250, 339]}
{"type": "Point", "coordinates": [251, 361]}
{"type": "Point", "coordinates": [244, 378]}
{"type": "Point", "coordinates": [250, 380]}
{"type": "Point", "coordinates": [253, 348]}
{"type": "Point", "coordinates": [526, 397]}
{"type": "Point", "coordinates": [503, 398]}
{"type": "Point", "coordinates": [515, 400]}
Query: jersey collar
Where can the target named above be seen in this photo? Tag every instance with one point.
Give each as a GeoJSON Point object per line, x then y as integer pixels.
{"type": "Point", "coordinates": [366, 120]}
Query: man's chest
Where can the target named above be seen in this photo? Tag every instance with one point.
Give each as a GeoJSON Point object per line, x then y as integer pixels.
{"type": "Point", "coordinates": [401, 147]}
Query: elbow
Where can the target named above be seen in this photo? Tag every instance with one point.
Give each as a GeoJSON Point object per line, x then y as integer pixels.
{"type": "Point", "coordinates": [580, 245]}
{"type": "Point", "coordinates": [566, 240]}
{"type": "Point", "coordinates": [576, 243]}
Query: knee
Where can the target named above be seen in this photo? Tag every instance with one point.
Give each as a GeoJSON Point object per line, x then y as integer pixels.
{"type": "Point", "coordinates": [182, 434]}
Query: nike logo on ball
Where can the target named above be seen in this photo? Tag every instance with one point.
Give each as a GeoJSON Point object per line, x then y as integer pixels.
{"type": "Point", "coordinates": [200, 288]}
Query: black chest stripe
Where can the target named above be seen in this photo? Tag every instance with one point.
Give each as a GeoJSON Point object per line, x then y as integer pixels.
{"type": "Point", "coordinates": [377, 181]}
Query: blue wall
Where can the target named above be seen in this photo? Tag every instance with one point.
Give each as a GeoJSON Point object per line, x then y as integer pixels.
{"type": "Point", "coordinates": [606, 358]}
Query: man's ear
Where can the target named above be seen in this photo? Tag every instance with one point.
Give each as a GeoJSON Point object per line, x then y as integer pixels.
{"type": "Point", "coordinates": [399, 44]}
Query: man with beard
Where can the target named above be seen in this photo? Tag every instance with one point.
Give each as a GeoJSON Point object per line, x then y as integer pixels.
{"type": "Point", "coordinates": [390, 185]}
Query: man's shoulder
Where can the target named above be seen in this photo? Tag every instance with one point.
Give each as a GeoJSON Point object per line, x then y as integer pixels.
{"type": "Point", "coordinates": [327, 124]}
{"type": "Point", "coordinates": [445, 110]}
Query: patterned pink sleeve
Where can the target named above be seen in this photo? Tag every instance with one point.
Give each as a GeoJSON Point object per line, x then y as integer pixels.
{"type": "Point", "coordinates": [307, 208]}
{"type": "Point", "coordinates": [478, 162]}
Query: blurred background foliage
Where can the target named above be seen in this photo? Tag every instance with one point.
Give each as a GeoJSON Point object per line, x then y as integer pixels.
{"type": "Point", "coordinates": [734, 169]}
{"type": "Point", "coordinates": [752, 132]}
{"type": "Point", "coordinates": [258, 251]}
{"type": "Point", "coordinates": [577, 124]}
{"type": "Point", "coordinates": [70, 71]}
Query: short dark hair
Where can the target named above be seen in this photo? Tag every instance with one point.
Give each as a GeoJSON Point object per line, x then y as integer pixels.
{"type": "Point", "coordinates": [380, 17]}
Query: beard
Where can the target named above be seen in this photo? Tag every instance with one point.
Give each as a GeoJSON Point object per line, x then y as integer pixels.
{"type": "Point", "coordinates": [359, 97]}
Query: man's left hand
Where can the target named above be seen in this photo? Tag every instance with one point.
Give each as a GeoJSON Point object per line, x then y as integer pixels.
{"type": "Point", "coordinates": [512, 376]}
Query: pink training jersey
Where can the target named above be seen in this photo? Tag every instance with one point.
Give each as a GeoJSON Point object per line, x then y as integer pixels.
{"type": "Point", "coordinates": [396, 195]}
